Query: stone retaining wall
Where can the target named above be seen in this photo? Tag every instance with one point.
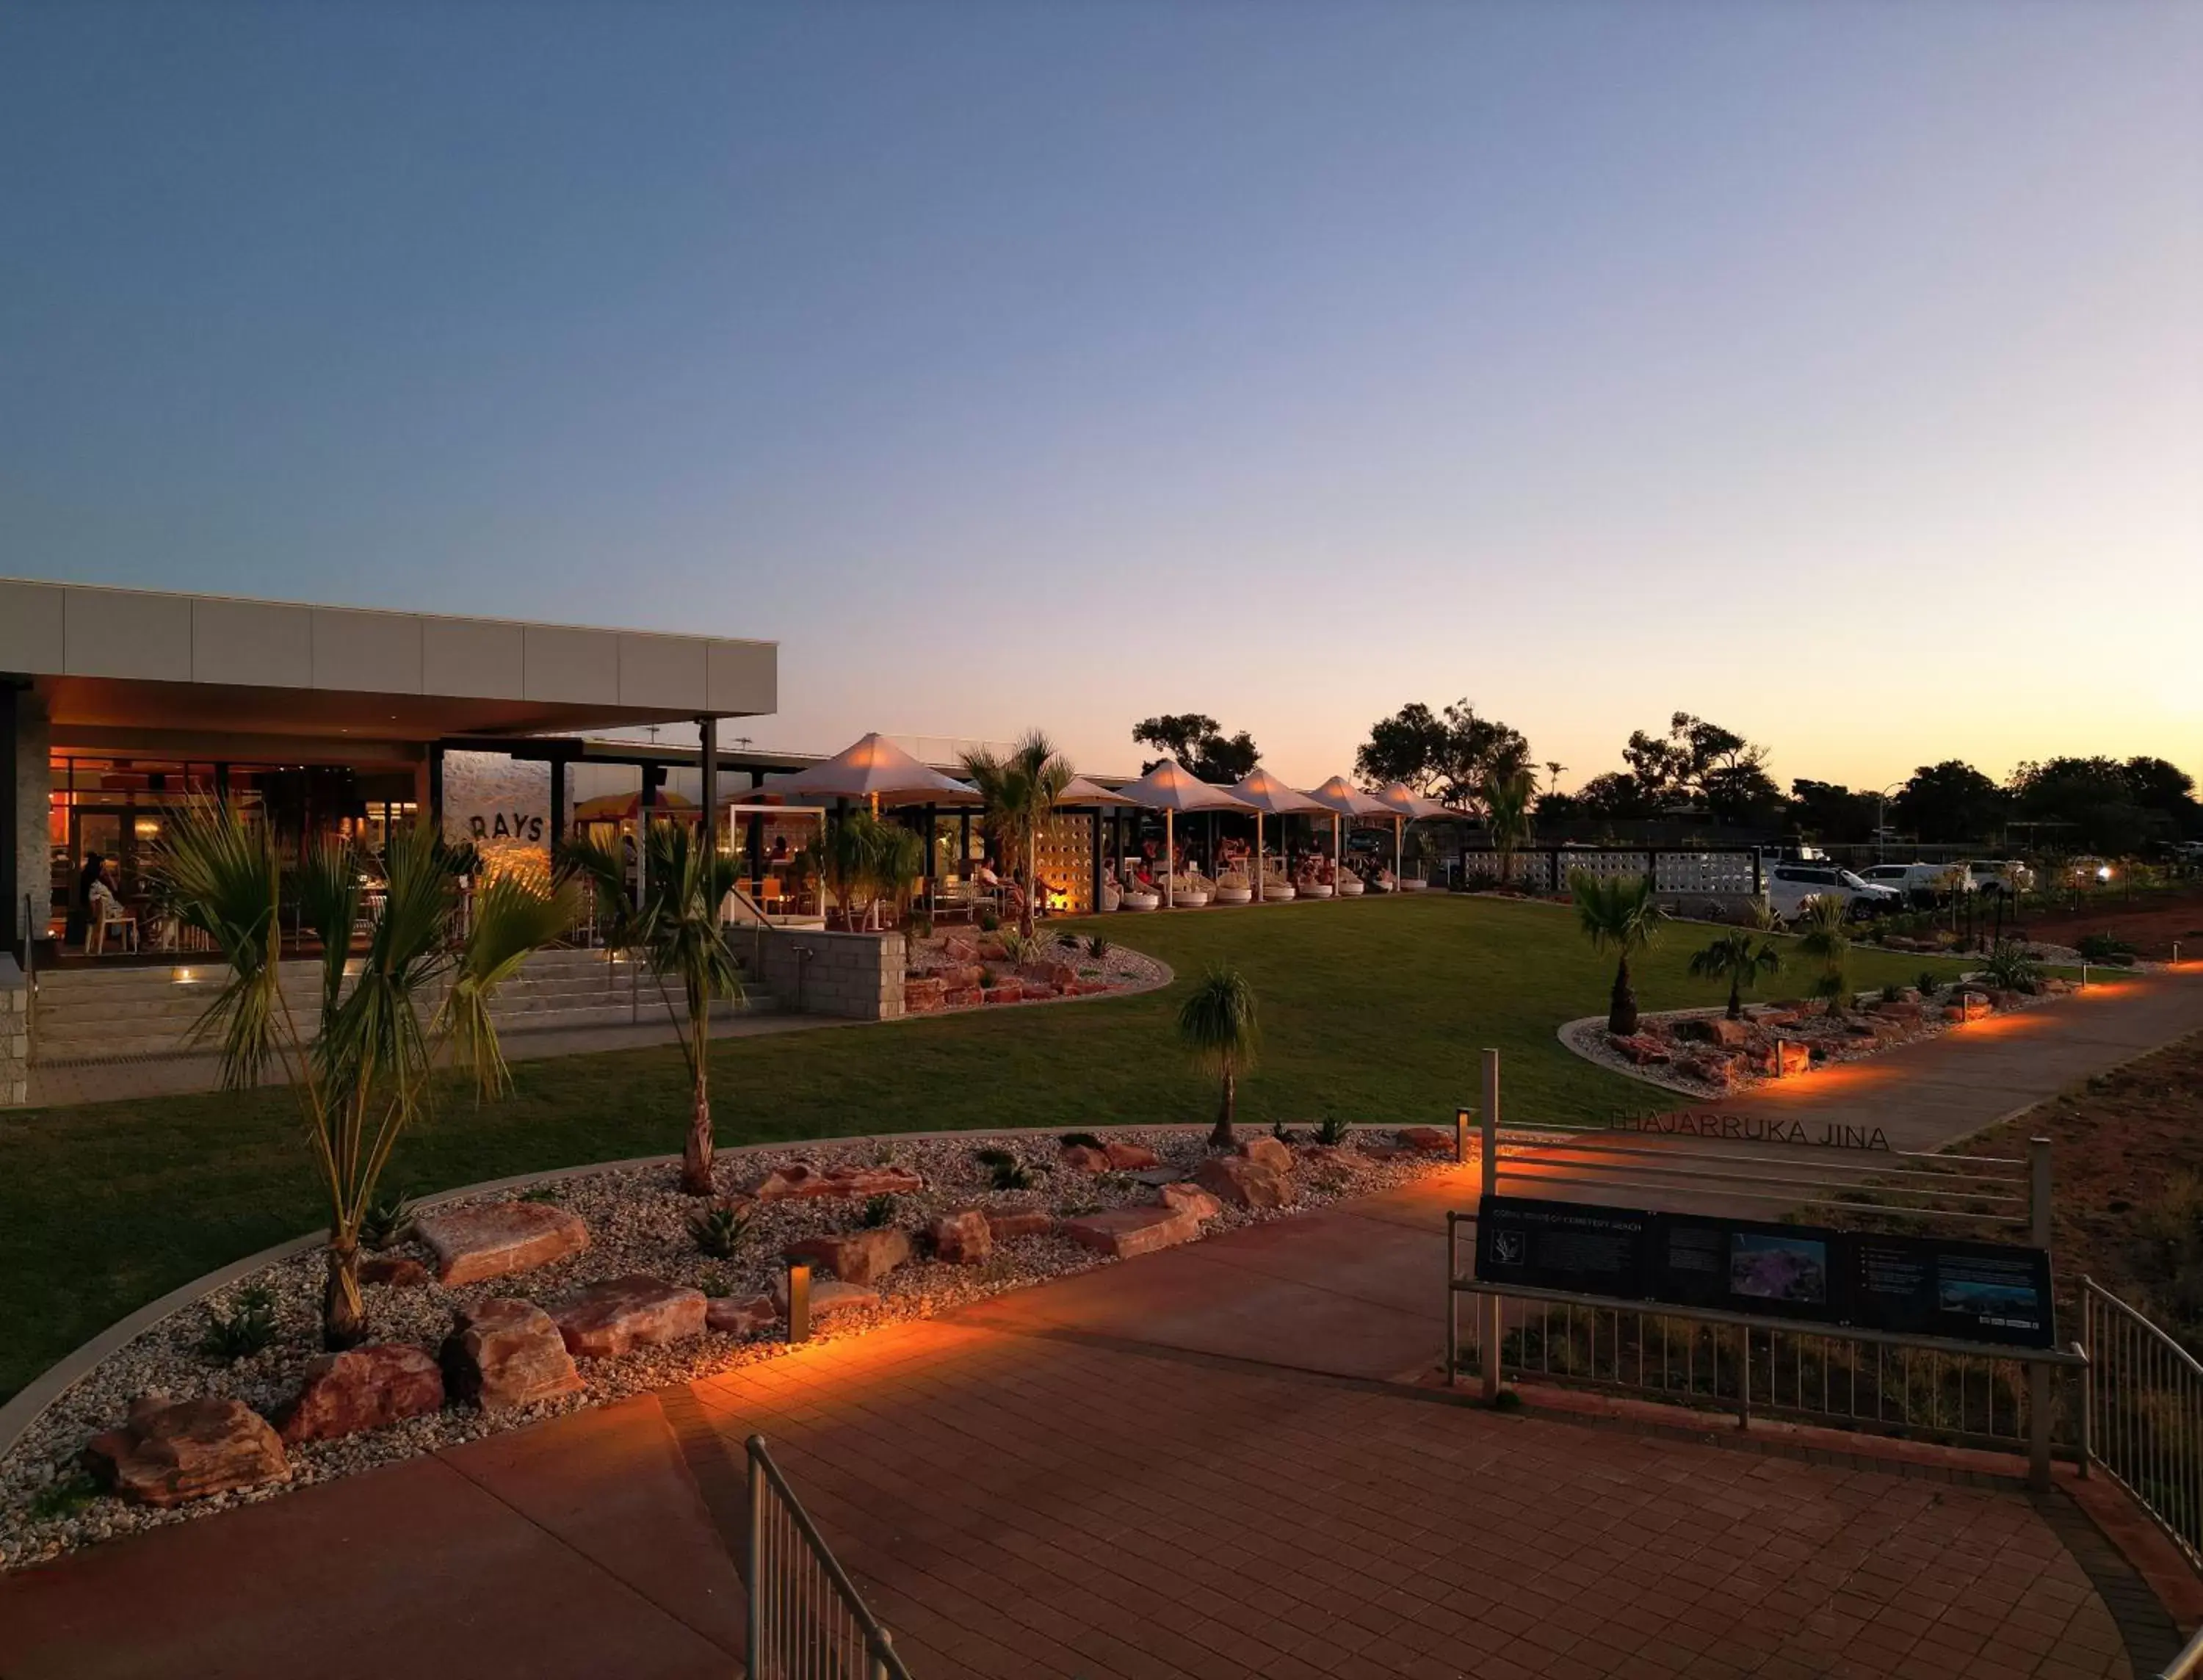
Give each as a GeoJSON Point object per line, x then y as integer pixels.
{"type": "Point", "coordinates": [14, 1034]}
{"type": "Point", "coordinates": [855, 975]}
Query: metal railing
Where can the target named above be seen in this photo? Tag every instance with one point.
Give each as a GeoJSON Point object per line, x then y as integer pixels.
{"type": "Point", "coordinates": [806, 1619]}
{"type": "Point", "coordinates": [2142, 1414]}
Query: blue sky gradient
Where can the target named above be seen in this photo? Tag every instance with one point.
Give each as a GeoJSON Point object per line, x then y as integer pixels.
{"type": "Point", "coordinates": [1833, 370]}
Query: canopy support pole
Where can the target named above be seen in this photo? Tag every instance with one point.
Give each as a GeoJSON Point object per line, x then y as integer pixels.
{"type": "Point", "coordinates": [1258, 854]}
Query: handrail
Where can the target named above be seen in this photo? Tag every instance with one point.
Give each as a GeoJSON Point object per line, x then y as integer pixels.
{"type": "Point", "coordinates": [2139, 1407]}
{"type": "Point", "coordinates": [2189, 1663]}
{"type": "Point", "coordinates": [792, 1634]}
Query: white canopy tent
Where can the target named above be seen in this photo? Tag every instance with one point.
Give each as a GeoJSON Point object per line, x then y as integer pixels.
{"type": "Point", "coordinates": [1406, 806]}
{"type": "Point", "coordinates": [1170, 788]}
{"type": "Point", "coordinates": [1266, 793]}
{"type": "Point", "coordinates": [1341, 798]}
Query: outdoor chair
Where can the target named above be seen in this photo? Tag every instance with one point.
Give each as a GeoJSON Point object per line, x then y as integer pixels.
{"type": "Point", "coordinates": [110, 916]}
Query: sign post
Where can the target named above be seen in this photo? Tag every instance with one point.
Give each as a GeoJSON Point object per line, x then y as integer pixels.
{"type": "Point", "coordinates": [1489, 1307]}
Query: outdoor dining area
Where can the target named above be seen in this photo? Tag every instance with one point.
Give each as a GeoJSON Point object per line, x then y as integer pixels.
{"type": "Point", "coordinates": [1166, 841]}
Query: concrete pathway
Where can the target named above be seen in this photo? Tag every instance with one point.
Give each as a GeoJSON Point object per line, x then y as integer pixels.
{"type": "Point", "coordinates": [1202, 1464]}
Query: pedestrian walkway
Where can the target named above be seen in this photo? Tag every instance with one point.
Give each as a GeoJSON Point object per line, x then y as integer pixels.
{"type": "Point", "coordinates": [1211, 1463]}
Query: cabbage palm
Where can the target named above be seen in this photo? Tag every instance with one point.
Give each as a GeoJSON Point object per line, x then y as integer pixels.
{"type": "Point", "coordinates": [1508, 797]}
{"type": "Point", "coordinates": [1216, 1022]}
{"type": "Point", "coordinates": [1827, 936]}
{"type": "Point", "coordinates": [1622, 914]}
{"type": "Point", "coordinates": [1740, 956]}
{"type": "Point", "coordinates": [361, 1069]}
{"type": "Point", "coordinates": [676, 932]}
{"type": "Point", "coordinates": [1018, 793]}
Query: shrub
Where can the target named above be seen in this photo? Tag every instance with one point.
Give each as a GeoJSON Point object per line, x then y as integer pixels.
{"type": "Point", "coordinates": [721, 1230]}
{"type": "Point", "coordinates": [64, 1497]}
{"type": "Point", "coordinates": [2010, 969]}
{"type": "Point", "coordinates": [1283, 1134]}
{"type": "Point", "coordinates": [1080, 1140]}
{"type": "Point", "coordinates": [245, 1329]}
{"type": "Point", "coordinates": [1068, 941]}
{"type": "Point", "coordinates": [1099, 947]}
{"type": "Point", "coordinates": [1892, 993]}
{"type": "Point", "coordinates": [987, 977]}
{"type": "Point", "coordinates": [1012, 1175]}
{"type": "Point", "coordinates": [879, 1210]}
{"type": "Point", "coordinates": [1331, 1132]}
{"type": "Point", "coordinates": [387, 1221]}
{"type": "Point", "coordinates": [1928, 981]}
{"type": "Point", "coordinates": [541, 1192]}
{"type": "Point", "coordinates": [2103, 948]}
{"type": "Point", "coordinates": [1017, 948]}
{"type": "Point", "coordinates": [989, 922]}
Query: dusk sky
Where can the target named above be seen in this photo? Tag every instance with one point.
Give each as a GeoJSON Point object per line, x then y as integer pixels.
{"type": "Point", "coordinates": [1832, 370]}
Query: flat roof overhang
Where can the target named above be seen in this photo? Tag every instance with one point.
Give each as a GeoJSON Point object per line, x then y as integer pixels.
{"type": "Point", "coordinates": [109, 662]}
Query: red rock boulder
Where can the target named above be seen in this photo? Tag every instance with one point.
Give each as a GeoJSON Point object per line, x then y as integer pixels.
{"type": "Point", "coordinates": [923, 997]}
{"type": "Point", "coordinates": [805, 1180]}
{"type": "Point", "coordinates": [473, 1243]}
{"type": "Point", "coordinates": [1268, 1151]}
{"type": "Point", "coordinates": [1642, 1048]}
{"type": "Point", "coordinates": [1012, 993]}
{"type": "Point", "coordinates": [957, 948]}
{"type": "Point", "coordinates": [1426, 1139]}
{"type": "Point", "coordinates": [962, 1238]}
{"type": "Point", "coordinates": [172, 1451]}
{"type": "Point", "coordinates": [393, 1271]}
{"type": "Point", "coordinates": [606, 1319]}
{"type": "Point", "coordinates": [1084, 1158]}
{"type": "Point", "coordinates": [1190, 1199]}
{"type": "Point", "coordinates": [362, 1388]}
{"type": "Point", "coordinates": [855, 1257]}
{"type": "Point", "coordinates": [1126, 1232]}
{"type": "Point", "coordinates": [506, 1353]}
{"type": "Point", "coordinates": [1715, 1029]}
{"type": "Point", "coordinates": [1792, 1056]}
{"type": "Point", "coordinates": [740, 1315]}
{"type": "Point", "coordinates": [963, 996]}
{"type": "Point", "coordinates": [1130, 1156]}
{"type": "Point", "coordinates": [1020, 1222]}
{"type": "Point", "coordinates": [830, 1297]}
{"type": "Point", "coordinates": [1245, 1182]}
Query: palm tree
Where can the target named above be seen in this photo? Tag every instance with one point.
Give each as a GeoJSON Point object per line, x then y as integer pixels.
{"type": "Point", "coordinates": [361, 1069]}
{"type": "Point", "coordinates": [676, 931]}
{"type": "Point", "coordinates": [1018, 793]}
{"type": "Point", "coordinates": [1620, 913]}
{"type": "Point", "coordinates": [1508, 797]}
{"type": "Point", "coordinates": [1827, 934]}
{"type": "Point", "coordinates": [1216, 1022]}
{"type": "Point", "coordinates": [1740, 956]}
{"type": "Point", "coordinates": [1553, 769]}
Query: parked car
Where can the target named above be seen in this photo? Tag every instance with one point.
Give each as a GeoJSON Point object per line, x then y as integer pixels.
{"type": "Point", "coordinates": [1921, 884]}
{"type": "Point", "coordinates": [2000, 874]}
{"type": "Point", "coordinates": [1792, 886]}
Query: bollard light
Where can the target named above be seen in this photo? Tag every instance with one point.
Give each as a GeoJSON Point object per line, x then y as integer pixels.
{"type": "Point", "coordinates": [799, 1302]}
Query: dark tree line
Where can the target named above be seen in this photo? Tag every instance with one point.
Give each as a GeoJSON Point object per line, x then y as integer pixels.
{"type": "Point", "coordinates": [1698, 769]}
{"type": "Point", "coordinates": [1198, 742]}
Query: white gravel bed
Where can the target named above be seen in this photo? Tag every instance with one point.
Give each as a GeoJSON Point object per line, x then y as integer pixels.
{"type": "Point", "coordinates": [638, 1221]}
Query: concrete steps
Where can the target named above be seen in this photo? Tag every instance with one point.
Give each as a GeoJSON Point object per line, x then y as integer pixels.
{"type": "Point", "coordinates": [90, 1015]}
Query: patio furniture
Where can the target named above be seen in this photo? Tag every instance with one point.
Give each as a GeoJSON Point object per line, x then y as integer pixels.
{"type": "Point", "coordinates": [109, 916]}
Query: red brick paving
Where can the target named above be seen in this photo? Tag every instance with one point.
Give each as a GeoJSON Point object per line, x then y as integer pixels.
{"type": "Point", "coordinates": [1032, 1505]}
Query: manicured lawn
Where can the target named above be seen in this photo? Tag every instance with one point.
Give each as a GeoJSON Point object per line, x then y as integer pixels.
{"type": "Point", "coordinates": [1372, 1012]}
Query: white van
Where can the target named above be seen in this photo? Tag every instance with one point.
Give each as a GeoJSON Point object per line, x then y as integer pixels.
{"type": "Point", "coordinates": [1921, 883]}
{"type": "Point", "coordinates": [1792, 886]}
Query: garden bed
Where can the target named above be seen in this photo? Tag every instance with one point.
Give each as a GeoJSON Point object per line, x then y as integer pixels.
{"type": "Point", "coordinates": [1700, 1053]}
{"type": "Point", "coordinates": [638, 1223]}
{"type": "Point", "coordinates": [974, 969]}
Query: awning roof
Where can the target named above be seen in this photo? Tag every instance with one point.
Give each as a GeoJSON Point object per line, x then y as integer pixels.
{"type": "Point", "coordinates": [1341, 795]}
{"type": "Point", "coordinates": [1171, 786]}
{"type": "Point", "coordinates": [1266, 793]}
